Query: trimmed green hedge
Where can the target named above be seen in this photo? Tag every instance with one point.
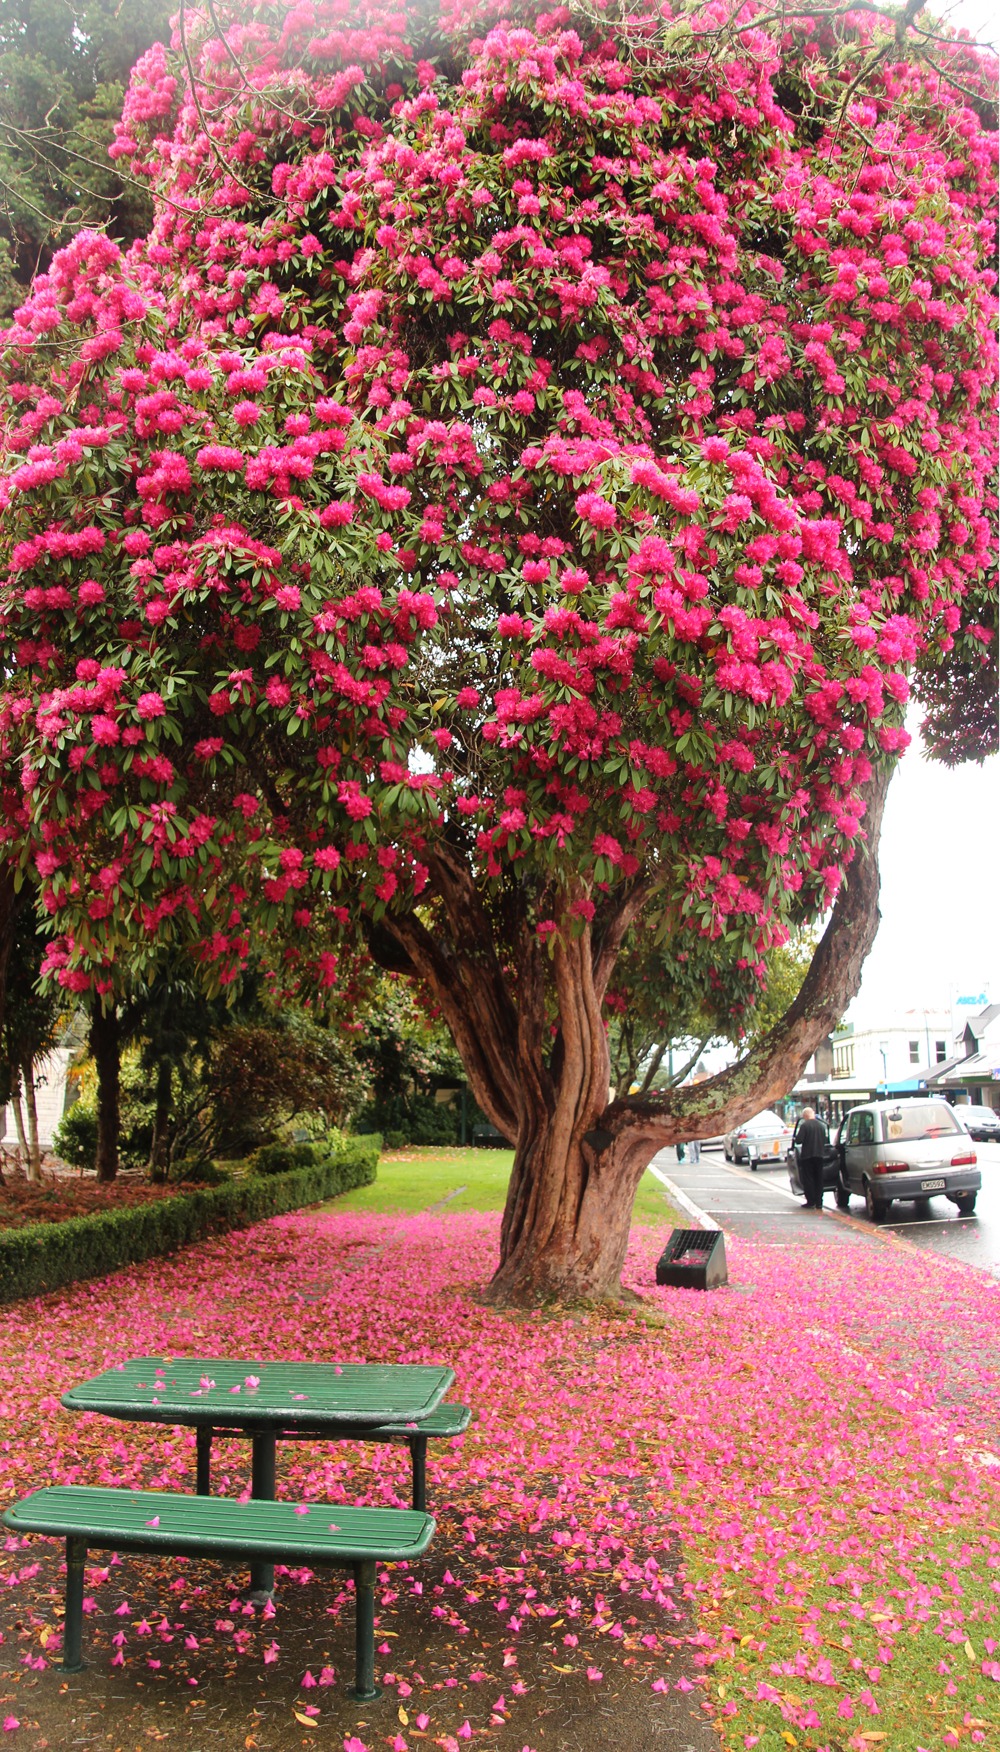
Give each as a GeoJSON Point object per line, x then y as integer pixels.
{"type": "Point", "coordinates": [46, 1256]}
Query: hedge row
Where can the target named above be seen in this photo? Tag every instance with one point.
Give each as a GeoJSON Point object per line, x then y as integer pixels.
{"type": "Point", "coordinates": [46, 1256]}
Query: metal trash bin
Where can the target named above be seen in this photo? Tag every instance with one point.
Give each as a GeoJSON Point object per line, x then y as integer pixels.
{"type": "Point", "coordinates": [693, 1259]}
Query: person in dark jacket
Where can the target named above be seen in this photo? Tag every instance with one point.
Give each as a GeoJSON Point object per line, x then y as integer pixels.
{"type": "Point", "coordinates": [812, 1141]}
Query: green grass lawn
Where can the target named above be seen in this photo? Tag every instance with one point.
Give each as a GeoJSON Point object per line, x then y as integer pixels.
{"type": "Point", "coordinates": [418, 1178]}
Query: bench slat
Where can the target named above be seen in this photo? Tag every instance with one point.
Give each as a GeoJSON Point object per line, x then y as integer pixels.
{"type": "Point", "coordinates": [221, 1525]}
{"type": "Point", "coordinates": [448, 1420]}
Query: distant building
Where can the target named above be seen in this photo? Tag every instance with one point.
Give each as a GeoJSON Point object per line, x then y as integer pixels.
{"type": "Point", "coordinates": [974, 1073]}
{"type": "Point", "coordinates": [905, 1053]}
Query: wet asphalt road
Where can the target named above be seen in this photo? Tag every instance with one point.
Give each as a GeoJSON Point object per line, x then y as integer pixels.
{"type": "Point", "coordinates": [762, 1205]}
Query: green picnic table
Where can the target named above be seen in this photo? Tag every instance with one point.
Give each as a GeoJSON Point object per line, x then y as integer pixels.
{"type": "Point", "coordinates": [278, 1401]}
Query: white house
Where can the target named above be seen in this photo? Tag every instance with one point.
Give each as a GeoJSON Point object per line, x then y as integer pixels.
{"type": "Point", "coordinates": [50, 1099]}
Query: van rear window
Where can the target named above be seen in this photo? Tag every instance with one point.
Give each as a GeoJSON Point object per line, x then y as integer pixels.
{"type": "Point", "coordinates": [914, 1120]}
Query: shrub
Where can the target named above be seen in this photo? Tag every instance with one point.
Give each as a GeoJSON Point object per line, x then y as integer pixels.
{"type": "Point", "coordinates": [47, 1256]}
{"type": "Point", "coordinates": [433, 1123]}
{"type": "Point", "coordinates": [279, 1158]}
{"type": "Point", "coordinates": [194, 1171]}
{"type": "Point", "coordinates": [75, 1139]}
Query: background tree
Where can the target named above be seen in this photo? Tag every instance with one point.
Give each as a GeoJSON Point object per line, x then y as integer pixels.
{"type": "Point", "coordinates": [63, 73]}
{"type": "Point", "coordinates": [212, 1080]}
{"type": "Point", "coordinates": [406, 1054]}
{"type": "Point", "coordinates": [31, 1027]}
{"type": "Point", "coordinates": [660, 1023]}
{"type": "Point", "coordinates": [500, 506]}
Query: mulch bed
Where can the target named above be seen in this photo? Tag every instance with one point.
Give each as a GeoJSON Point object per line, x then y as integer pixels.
{"type": "Point", "coordinates": [61, 1193]}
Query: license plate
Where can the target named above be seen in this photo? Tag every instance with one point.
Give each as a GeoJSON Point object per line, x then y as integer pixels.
{"type": "Point", "coordinates": [932, 1186]}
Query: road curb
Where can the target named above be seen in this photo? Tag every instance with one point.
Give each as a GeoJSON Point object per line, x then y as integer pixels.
{"type": "Point", "coordinates": [681, 1198]}
{"type": "Point", "coordinates": [847, 1219]}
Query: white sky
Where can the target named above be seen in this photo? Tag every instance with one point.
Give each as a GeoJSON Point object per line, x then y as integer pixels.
{"type": "Point", "coordinates": [940, 868]}
{"type": "Point", "coordinates": [940, 857]}
{"type": "Point", "coordinates": [980, 17]}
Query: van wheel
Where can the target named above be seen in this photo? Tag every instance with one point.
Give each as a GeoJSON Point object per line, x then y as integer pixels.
{"type": "Point", "coordinates": [842, 1197]}
{"type": "Point", "coordinates": [877, 1210]}
{"type": "Point", "coordinates": [966, 1202]}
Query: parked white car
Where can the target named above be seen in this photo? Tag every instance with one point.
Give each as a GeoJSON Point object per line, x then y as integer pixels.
{"type": "Point", "coordinates": [759, 1139]}
{"type": "Point", "coordinates": [906, 1149]}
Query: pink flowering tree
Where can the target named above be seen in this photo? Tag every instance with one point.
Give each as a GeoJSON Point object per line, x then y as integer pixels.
{"type": "Point", "coordinates": [503, 506]}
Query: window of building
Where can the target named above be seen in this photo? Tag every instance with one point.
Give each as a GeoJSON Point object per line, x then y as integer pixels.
{"type": "Point", "coordinates": [914, 1052]}
{"type": "Point", "coordinates": [940, 1051]}
{"type": "Point", "coordinates": [843, 1060]}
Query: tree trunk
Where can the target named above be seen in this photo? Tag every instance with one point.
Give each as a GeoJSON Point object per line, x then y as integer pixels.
{"type": "Point", "coordinates": [161, 1120]}
{"type": "Point", "coordinates": [18, 1112]}
{"type": "Point", "coordinates": [105, 1047]}
{"type": "Point", "coordinates": [566, 1224]}
{"type": "Point", "coordinates": [9, 902]}
{"type": "Point", "coordinates": [579, 1156]}
{"type": "Point", "coordinates": [566, 1221]}
{"type": "Point", "coordinates": [34, 1164]}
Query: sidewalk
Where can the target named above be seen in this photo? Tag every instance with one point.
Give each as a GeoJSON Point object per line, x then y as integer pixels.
{"type": "Point", "coordinates": [928, 1331]}
{"type": "Point", "coordinates": [758, 1206]}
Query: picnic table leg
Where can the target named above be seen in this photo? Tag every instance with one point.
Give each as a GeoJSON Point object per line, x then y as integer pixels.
{"type": "Point", "coordinates": [262, 1469]}
{"type": "Point", "coordinates": [76, 1558]}
{"type": "Point", "coordinates": [365, 1688]}
{"type": "Point", "coordinates": [203, 1460]}
{"type": "Point", "coordinates": [418, 1455]}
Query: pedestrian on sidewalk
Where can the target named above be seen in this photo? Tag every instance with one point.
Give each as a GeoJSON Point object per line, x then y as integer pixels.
{"type": "Point", "coordinates": [812, 1141]}
{"type": "Point", "coordinates": [694, 1150]}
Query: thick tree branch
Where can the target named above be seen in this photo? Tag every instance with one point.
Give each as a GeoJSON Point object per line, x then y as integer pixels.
{"type": "Point", "coordinates": [609, 934]}
{"type": "Point", "coordinates": [471, 993]}
{"type": "Point", "coordinates": [768, 1072]}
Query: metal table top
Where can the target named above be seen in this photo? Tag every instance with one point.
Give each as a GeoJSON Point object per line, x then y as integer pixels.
{"type": "Point", "coordinates": [256, 1394]}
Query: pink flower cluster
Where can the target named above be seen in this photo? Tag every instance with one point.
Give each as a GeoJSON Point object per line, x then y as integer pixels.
{"type": "Point", "coordinates": [394, 395]}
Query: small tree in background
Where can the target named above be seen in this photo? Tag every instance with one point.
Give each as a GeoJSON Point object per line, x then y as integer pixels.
{"type": "Point", "coordinates": [30, 1030]}
{"type": "Point", "coordinates": [64, 68]}
{"type": "Point", "coordinates": [500, 507]}
{"type": "Point", "coordinates": [406, 1054]}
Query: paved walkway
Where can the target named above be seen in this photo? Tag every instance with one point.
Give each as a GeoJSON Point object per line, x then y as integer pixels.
{"type": "Point", "coordinates": [761, 1205]}
{"type": "Point", "coordinates": [755, 1205]}
{"type": "Point", "coordinates": [960, 1358]}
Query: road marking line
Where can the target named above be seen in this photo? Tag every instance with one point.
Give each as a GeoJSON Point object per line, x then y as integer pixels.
{"type": "Point", "coordinates": [748, 1175]}
{"type": "Point", "coordinates": [681, 1198]}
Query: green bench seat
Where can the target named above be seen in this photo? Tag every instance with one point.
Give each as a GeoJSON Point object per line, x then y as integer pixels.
{"type": "Point", "coordinates": [329, 1534]}
{"type": "Point", "coordinates": [448, 1420]}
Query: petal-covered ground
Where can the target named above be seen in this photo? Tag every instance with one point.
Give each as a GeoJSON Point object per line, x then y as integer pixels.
{"type": "Point", "coordinates": [773, 1508]}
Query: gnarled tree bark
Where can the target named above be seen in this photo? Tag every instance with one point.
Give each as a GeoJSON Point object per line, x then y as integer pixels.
{"type": "Point", "coordinates": [532, 1038]}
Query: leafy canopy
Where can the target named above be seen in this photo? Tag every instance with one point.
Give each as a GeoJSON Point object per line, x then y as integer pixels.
{"type": "Point", "coordinates": [529, 443]}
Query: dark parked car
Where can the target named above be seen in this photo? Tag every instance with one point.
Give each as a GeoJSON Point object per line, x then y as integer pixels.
{"type": "Point", "coordinates": [831, 1164]}
{"type": "Point", "coordinates": [981, 1123]}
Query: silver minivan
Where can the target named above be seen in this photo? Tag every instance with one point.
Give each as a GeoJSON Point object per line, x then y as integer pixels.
{"type": "Point", "coordinates": [906, 1149]}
